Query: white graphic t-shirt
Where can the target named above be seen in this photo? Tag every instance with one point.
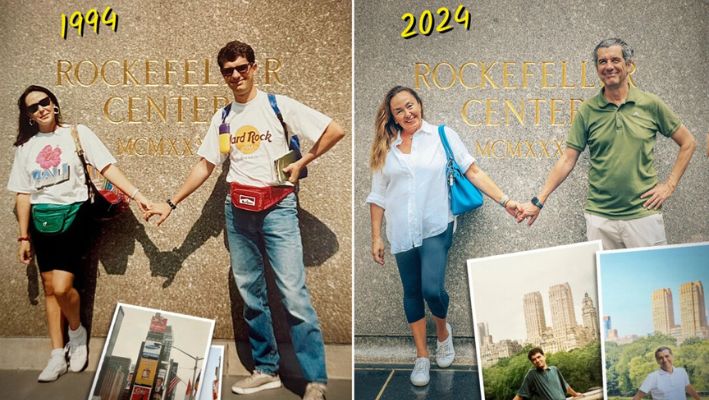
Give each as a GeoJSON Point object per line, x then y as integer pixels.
{"type": "Point", "coordinates": [48, 168]}
{"type": "Point", "coordinates": [257, 137]}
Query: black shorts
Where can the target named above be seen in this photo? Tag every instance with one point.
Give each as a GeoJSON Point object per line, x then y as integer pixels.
{"type": "Point", "coordinates": [63, 251]}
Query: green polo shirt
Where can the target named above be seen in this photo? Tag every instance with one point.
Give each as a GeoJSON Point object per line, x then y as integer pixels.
{"type": "Point", "coordinates": [549, 384]}
{"type": "Point", "coordinates": [621, 143]}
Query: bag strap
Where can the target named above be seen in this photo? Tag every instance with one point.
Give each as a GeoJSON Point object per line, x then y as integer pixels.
{"type": "Point", "coordinates": [446, 146]}
{"type": "Point", "coordinates": [80, 152]}
{"type": "Point", "coordinates": [225, 112]}
{"type": "Point", "coordinates": [274, 106]}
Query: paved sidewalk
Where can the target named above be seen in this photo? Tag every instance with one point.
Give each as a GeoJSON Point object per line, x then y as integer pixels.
{"type": "Point", "coordinates": [391, 382]}
{"type": "Point", "coordinates": [23, 385]}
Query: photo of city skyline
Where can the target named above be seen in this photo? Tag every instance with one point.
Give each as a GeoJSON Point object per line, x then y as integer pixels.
{"type": "Point", "coordinates": [547, 300]}
{"type": "Point", "coordinates": [653, 298]}
{"type": "Point", "coordinates": [650, 290]}
{"type": "Point", "coordinates": [151, 354]}
{"type": "Point", "coordinates": [539, 298]}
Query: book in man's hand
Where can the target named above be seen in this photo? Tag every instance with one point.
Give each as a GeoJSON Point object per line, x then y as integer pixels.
{"type": "Point", "coordinates": [282, 162]}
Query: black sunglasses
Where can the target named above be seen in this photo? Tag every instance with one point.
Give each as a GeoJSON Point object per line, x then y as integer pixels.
{"type": "Point", "coordinates": [241, 69]}
{"type": "Point", "coordinates": [45, 102]}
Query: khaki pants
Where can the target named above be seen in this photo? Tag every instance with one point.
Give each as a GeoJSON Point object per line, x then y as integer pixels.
{"type": "Point", "coordinates": [620, 234]}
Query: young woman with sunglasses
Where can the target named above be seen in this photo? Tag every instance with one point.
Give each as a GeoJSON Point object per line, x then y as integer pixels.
{"type": "Point", "coordinates": [51, 204]}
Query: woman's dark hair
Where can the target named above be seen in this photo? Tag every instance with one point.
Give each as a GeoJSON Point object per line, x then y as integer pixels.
{"type": "Point", "coordinates": [24, 130]}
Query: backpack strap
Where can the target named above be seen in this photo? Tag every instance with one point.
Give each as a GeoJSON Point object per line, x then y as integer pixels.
{"type": "Point", "coordinates": [225, 112]}
{"type": "Point", "coordinates": [274, 106]}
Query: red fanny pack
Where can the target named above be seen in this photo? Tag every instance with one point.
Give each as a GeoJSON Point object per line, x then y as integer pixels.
{"type": "Point", "coordinates": [251, 198]}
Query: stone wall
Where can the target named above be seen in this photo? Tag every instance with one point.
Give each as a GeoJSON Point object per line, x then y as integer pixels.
{"type": "Point", "coordinates": [147, 90]}
{"type": "Point", "coordinates": [507, 86]}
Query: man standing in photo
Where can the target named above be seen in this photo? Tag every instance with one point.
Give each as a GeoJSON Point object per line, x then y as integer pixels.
{"type": "Point", "coordinates": [262, 209]}
{"type": "Point", "coordinates": [668, 382]}
{"type": "Point", "coordinates": [543, 380]}
{"type": "Point", "coordinates": [619, 126]}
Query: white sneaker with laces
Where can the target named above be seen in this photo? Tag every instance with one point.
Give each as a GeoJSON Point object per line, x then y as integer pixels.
{"type": "Point", "coordinates": [420, 375]}
{"type": "Point", "coordinates": [55, 368]}
{"type": "Point", "coordinates": [445, 353]}
{"type": "Point", "coordinates": [315, 391]}
{"type": "Point", "coordinates": [257, 382]}
{"type": "Point", "coordinates": [78, 352]}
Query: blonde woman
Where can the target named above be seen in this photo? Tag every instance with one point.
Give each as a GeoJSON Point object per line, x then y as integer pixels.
{"type": "Point", "coordinates": [409, 189]}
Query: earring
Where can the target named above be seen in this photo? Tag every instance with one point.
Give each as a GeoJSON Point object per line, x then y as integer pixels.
{"type": "Point", "coordinates": [56, 109]}
{"type": "Point", "coordinates": [31, 122]}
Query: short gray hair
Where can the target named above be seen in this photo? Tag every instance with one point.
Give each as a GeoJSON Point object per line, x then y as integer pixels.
{"type": "Point", "coordinates": [661, 349]}
{"type": "Point", "coordinates": [606, 43]}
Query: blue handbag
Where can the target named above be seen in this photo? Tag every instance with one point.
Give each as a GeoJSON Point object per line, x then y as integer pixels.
{"type": "Point", "coordinates": [463, 195]}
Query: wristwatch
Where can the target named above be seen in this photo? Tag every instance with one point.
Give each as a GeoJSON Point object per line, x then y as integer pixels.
{"type": "Point", "coordinates": [537, 203]}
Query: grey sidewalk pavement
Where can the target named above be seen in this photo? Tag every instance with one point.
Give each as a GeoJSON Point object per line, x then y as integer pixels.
{"type": "Point", "coordinates": [391, 382]}
{"type": "Point", "coordinates": [23, 385]}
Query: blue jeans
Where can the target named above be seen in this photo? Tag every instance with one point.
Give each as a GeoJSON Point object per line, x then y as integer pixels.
{"type": "Point", "coordinates": [278, 228]}
{"type": "Point", "coordinates": [423, 276]}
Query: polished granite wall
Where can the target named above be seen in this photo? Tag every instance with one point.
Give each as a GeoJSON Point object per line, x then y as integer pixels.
{"type": "Point", "coordinates": [147, 90]}
{"type": "Point", "coordinates": [519, 56]}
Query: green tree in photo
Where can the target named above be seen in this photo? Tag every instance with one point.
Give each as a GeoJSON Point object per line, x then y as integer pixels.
{"type": "Point", "coordinates": [581, 369]}
{"type": "Point", "coordinates": [627, 365]}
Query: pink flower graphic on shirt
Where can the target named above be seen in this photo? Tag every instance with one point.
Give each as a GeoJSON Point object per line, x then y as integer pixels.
{"type": "Point", "coordinates": [48, 157]}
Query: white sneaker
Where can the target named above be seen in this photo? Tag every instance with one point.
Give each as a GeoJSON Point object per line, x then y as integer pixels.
{"type": "Point", "coordinates": [315, 391]}
{"type": "Point", "coordinates": [78, 353]}
{"type": "Point", "coordinates": [420, 374]}
{"type": "Point", "coordinates": [55, 368]}
{"type": "Point", "coordinates": [257, 382]}
{"type": "Point", "coordinates": [445, 353]}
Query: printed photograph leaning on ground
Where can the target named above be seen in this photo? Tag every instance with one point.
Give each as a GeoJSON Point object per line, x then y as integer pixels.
{"type": "Point", "coordinates": [656, 336]}
{"type": "Point", "coordinates": [52, 203]}
{"type": "Point", "coordinates": [545, 314]}
{"type": "Point", "coordinates": [410, 191]}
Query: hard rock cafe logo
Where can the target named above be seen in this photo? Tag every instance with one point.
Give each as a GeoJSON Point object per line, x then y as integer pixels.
{"type": "Point", "coordinates": [248, 139]}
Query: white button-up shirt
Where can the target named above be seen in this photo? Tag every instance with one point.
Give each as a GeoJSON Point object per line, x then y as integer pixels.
{"type": "Point", "coordinates": [663, 385]}
{"type": "Point", "coordinates": [412, 189]}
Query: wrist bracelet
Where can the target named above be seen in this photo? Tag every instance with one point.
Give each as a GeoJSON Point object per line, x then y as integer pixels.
{"type": "Point", "coordinates": [23, 239]}
{"type": "Point", "coordinates": [537, 203]}
{"type": "Point", "coordinates": [136, 191]}
{"type": "Point", "coordinates": [503, 200]}
{"type": "Point", "coordinates": [171, 204]}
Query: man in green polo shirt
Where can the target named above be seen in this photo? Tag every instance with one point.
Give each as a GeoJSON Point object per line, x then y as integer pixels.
{"type": "Point", "coordinates": [544, 381]}
{"type": "Point", "coordinates": [619, 126]}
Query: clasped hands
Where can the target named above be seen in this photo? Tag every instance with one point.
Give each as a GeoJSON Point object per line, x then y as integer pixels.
{"type": "Point", "coordinates": [522, 211]}
{"type": "Point", "coordinates": [151, 209]}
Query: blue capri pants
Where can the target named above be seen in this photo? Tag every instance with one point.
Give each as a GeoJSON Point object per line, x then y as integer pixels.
{"type": "Point", "coordinates": [423, 275]}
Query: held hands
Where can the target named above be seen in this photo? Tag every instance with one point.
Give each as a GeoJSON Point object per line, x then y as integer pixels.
{"type": "Point", "coordinates": [512, 208]}
{"type": "Point", "coordinates": [520, 212]}
{"type": "Point", "coordinates": [161, 209]}
{"type": "Point", "coordinates": [25, 252]}
{"type": "Point", "coordinates": [527, 211]}
{"type": "Point", "coordinates": [378, 250]}
{"type": "Point", "coordinates": [143, 203]}
{"type": "Point", "coordinates": [149, 208]}
{"type": "Point", "coordinates": [657, 195]}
